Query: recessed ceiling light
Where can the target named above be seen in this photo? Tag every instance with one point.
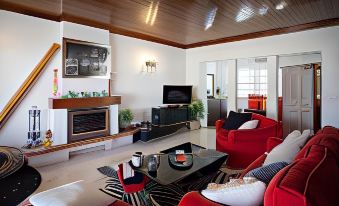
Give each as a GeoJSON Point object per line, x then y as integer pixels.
{"type": "Point", "coordinates": [262, 11]}
{"type": "Point", "coordinates": [244, 14]}
{"type": "Point", "coordinates": [281, 5]}
{"type": "Point", "coordinates": [210, 18]}
{"type": "Point", "coordinates": [152, 13]}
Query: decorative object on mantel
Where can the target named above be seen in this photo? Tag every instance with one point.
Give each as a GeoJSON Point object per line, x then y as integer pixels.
{"type": "Point", "coordinates": [84, 59]}
{"type": "Point", "coordinates": [151, 66]}
{"type": "Point", "coordinates": [55, 83]}
{"type": "Point", "coordinates": [34, 134]}
{"type": "Point", "coordinates": [48, 141]}
{"type": "Point", "coordinates": [197, 112]}
{"type": "Point", "coordinates": [125, 118]}
{"type": "Point", "coordinates": [73, 94]}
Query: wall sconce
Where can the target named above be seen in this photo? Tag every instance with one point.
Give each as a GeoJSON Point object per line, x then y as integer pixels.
{"type": "Point", "coordinates": [151, 66]}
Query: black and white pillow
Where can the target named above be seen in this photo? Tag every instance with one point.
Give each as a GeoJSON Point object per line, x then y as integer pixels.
{"type": "Point", "coordinates": [235, 120]}
{"type": "Point", "coordinates": [266, 173]}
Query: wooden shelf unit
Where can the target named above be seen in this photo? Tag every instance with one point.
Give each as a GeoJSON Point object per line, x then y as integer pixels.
{"type": "Point", "coordinates": [41, 150]}
{"type": "Point", "coordinates": [78, 103]}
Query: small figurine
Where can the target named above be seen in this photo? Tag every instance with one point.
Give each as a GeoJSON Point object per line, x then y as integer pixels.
{"type": "Point", "coordinates": [48, 139]}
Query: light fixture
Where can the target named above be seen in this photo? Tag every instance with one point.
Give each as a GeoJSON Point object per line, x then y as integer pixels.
{"type": "Point", "coordinates": [244, 14]}
{"type": "Point", "coordinates": [263, 11]}
{"type": "Point", "coordinates": [152, 13]}
{"type": "Point", "coordinates": [281, 5]}
{"type": "Point", "coordinates": [151, 66]}
{"type": "Point", "coordinates": [210, 18]}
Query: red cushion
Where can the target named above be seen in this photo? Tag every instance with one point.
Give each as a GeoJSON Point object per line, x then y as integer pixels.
{"type": "Point", "coordinates": [328, 136]}
{"type": "Point", "coordinates": [263, 121]}
{"type": "Point", "coordinates": [270, 144]}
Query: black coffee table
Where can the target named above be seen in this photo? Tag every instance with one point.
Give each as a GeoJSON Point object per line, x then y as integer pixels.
{"type": "Point", "coordinates": [204, 160]}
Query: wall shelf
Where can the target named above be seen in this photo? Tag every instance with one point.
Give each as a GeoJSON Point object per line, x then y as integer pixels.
{"type": "Point", "coordinates": [76, 103]}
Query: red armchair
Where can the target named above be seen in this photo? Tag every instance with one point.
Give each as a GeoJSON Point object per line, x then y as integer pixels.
{"type": "Point", "coordinates": [244, 146]}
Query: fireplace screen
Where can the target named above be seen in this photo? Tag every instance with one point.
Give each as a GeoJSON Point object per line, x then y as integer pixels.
{"type": "Point", "coordinates": [86, 124]}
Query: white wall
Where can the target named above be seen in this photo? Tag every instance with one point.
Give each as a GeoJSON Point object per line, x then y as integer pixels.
{"type": "Point", "coordinates": [140, 90]}
{"type": "Point", "coordinates": [89, 34]}
{"type": "Point", "coordinates": [324, 40]}
{"type": "Point", "coordinates": [23, 42]}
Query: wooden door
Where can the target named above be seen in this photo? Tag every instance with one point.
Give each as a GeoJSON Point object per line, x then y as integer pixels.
{"type": "Point", "coordinates": [297, 99]}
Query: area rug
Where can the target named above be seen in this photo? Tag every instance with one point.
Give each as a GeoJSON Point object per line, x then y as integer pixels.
{"type": "Point", "coordinates": [19, 185]}
{"type": "Point", "coordinates": [156, 194]}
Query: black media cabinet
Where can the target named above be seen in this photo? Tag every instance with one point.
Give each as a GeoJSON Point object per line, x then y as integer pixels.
{"type": "Point", "coordinates": [166, 121]}
{"type": "Point", "coordinates": [163, 116]}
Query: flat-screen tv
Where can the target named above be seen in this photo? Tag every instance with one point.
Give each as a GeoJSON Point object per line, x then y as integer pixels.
{"type": "Point", "coordinates": [176, 94]}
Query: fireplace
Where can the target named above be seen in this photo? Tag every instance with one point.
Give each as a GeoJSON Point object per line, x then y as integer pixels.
{"type": "Point", "coordinates": [88, 123]}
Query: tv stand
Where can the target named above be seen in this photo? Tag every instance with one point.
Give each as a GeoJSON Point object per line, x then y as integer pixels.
{"type": "Point", "coordinates": [166, 121]}
{"type": "Point", "coordinates": [163, 116]}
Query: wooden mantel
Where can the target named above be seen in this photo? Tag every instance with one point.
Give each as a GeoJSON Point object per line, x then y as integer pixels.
{"type": "Point", "coordinates": [78, 103]}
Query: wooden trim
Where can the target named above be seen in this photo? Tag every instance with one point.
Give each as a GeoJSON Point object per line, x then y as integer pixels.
{"type": "Point", "coordinates": [146, 37]}
{"type": "Point", "coordinates": [38, 151]}
{"type": "Point", "coordinates": [27, 85]}
{"type": "Point", "coordinates": [9, 6]}
{"type": "Point", "coordinates": [272, 32]}
{"type": "Point", "coordinates": [77, 103]}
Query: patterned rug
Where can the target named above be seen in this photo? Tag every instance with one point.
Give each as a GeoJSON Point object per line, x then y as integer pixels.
{"type": "Point", "coordinates": [156, 194]}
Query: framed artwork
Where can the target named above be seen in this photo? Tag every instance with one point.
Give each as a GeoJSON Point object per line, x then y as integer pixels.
{"type": "Point", "coordinates": [86, 60]}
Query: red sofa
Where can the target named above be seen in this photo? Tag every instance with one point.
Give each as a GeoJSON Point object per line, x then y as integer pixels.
{"type": "Point", "coordinates": [244, 146]}
{"type": "Point", "coordinates": [312, 179]}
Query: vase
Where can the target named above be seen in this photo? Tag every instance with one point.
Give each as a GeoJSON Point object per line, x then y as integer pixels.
{"type": "Point", "coordinates": [55, 83]}
{"type": "Point", "coordinates": [124, 124]}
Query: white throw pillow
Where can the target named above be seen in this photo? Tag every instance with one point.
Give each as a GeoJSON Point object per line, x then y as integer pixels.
{"type": "Point", "coordinates": [286, 151]}
{"type": "Point", "coordinates": [251, 194]}
{"type": "Point", "coordinates": [252, 124]}
{"type": "Point", "coordinates": [72, 194]}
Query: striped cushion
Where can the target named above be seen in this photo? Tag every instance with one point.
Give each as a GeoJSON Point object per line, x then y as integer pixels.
{"type": "Point", "coordinates": [266, 173]}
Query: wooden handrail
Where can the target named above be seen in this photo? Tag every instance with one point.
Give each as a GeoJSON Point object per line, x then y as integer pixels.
{"type": "Point", "coordinates": [19, 95]}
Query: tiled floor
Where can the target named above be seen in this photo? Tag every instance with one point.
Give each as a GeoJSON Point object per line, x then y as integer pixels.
{"type": "Point", "coordinates": [84, 166]}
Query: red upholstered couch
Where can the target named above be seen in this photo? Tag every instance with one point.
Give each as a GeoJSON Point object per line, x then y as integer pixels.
{"type": "Point", "coordinates": [244, 146]}
{"type": "Point", "coordinates": [312, 179]}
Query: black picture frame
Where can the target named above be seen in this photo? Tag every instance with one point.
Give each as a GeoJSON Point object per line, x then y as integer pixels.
{"type": "Point", "coordinates": [86, 59]}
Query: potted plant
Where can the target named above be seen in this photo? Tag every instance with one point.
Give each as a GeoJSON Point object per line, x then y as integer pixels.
{"type": "Point", "coordinates": [197, 112]}
{"type": "Point", "coordinates": [125, 118]}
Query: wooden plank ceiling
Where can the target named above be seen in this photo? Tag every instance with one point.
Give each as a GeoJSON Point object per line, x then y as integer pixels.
{"type": "Point", "coordinates": [187, 23]}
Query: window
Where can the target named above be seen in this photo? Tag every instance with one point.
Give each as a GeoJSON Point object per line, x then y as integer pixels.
{"type": "Point", "coordinates": [252, 76]}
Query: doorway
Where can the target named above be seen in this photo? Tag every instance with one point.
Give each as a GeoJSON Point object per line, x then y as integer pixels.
{"type": "Point", "coordinates": [299, 103]}
{"type": "Point", "coordinates": [213, 91]}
